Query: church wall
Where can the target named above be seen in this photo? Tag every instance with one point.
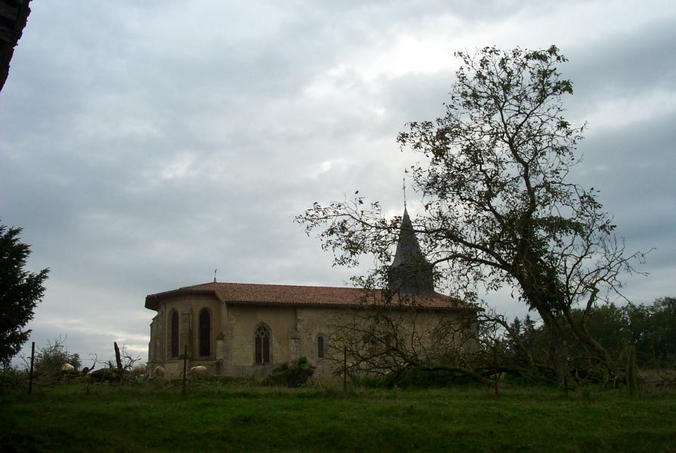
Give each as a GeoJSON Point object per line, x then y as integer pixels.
{"type": "Point", "coordinates": [294, 333]}
{"type": "Point", "coordinates": [155, 343]}
{"type": "Point", "coordinates": [316, 321]}
{"type": "Point", "coordinates": [312, 323]}
{"type": "Point", "coordinates": [188, 308]}
{"type": "Point", "coordinates": [239, 333]}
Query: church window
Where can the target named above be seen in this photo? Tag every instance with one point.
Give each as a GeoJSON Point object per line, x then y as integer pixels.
{"type": "Point", "coordinates": [174, 333]}
{"type": "Point", "coordinates": [262, 345]}
{"type": "Point", "coordinates": [320, 347]}
{"type": "Point", "coordinates": [205, 333]}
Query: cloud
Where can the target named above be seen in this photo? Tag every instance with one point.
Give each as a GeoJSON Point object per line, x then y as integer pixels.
{"type": "Point", "coordinates": [144, 144]}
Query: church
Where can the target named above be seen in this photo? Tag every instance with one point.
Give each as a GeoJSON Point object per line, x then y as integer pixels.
{"type": "Point", "coordinates": [247, 330]}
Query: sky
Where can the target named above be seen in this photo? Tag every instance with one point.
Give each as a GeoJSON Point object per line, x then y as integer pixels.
{"type": "Point", "coordinates": [145, 144]}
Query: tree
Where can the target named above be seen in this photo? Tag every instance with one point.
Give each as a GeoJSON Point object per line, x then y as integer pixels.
{"type": "Point", "coordinates": [14, 20]}
{"type": "Point", "coordinates": [20, 291]}
{"type": "Point", "coordinates": [392, 338]}
{"type": "Point", "coordinates": [663, 328]}
{"type": "Point", "coordinates": [50, 359]}
{"type": "Point", "coordinates": [652, 329]}
{"type": "Point", "coordinates": [499, 206]}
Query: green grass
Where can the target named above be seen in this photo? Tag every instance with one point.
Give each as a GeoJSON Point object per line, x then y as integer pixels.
{"type": "Point", "coordinates": [240, 417]}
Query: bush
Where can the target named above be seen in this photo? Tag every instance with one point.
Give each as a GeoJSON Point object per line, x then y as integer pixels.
{"type": "Point", "coordinates": [416, 378]}
{"type": "Point", "coordinates": [292, 375]}
{"type": "Point", "coordinates": [370, 381]}
{"type": "Point", "coordinates": [50, 359]}
{"type": "Point", "coordinates": [11, 378]}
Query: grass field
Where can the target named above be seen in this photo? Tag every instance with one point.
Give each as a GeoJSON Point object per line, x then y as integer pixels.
{"type": "Point", "coordinates": [240, 417]}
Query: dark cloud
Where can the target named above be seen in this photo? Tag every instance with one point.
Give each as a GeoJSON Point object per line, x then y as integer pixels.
{"type": "Point", "coordinates": [626, 63]}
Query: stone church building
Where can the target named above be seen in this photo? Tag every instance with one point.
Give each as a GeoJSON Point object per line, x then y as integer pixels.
{"type": "Point", "coordinates": [246, 329]}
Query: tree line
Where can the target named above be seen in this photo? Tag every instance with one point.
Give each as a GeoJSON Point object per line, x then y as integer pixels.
{"type": "Point", "coordinates": [649, 328]}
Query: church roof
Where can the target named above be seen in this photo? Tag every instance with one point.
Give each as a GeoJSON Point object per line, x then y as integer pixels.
{"type": "Point", "coordinates": [302, 296]}
{"type": "Point", "coordinates": [410, 272]}
{"type": "Point", "coordinates": [407, 246]}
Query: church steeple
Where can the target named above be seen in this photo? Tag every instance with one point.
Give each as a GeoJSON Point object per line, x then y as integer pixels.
{"type": "Point", "coordinates": [410, 272]}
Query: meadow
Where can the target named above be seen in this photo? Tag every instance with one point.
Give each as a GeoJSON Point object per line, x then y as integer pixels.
{"type": "Point", "coordinates": [236, 416]}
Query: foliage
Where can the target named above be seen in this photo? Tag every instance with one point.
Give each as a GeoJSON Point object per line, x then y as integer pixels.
{"type": "Point", "coordinates": [384, 349]}
{"type": "Point", "coordinates": [50, 359]}
{"type": "Point", "coordinates": [12, 378]}
{"type": "Point", "coordinates": [291, 375]}
{"type": "Point", "coordinates": [653, 331]}
{"type": "Point", "coordinates": [418, 378]}
{"type": "Point", "coordinates": [649, 328]}
{"type": "Point", "coordinates": [20, 291]}
{"type": "Point", "coordinates": [499, 207]}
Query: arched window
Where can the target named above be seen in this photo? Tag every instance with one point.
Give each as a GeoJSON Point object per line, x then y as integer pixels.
{"type": "Point", "coordinates": [174, 333]}
{"type": "Point", "coordinates": [262, 345]}
{"type": "Point", "coordinates": [320, 347]}
{"type": "Point", "coordinates": [205, 333]}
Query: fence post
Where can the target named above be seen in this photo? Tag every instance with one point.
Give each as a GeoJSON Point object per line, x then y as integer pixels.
{"type": "Point", "coordinates": [345, 369]}
{"type": "Point", "coordinates": [631, 371]}
{"type": "Point", "coordinates": [185, 364]}
{"type": "Point", "coordinates": [30, 376]}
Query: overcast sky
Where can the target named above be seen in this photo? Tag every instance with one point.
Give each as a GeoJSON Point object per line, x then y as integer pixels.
{"type": "Point", "coordinates": [143, 144]}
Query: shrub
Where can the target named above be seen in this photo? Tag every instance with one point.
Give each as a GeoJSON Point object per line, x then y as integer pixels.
{"type": "Point", "coordinates": [11, 378]}
{"type": "Point", "coordinates": [50, 359]}
{"type": "Point", "coordinates": [292, 375]}
{"type": "Point", "coordinates": [413, 377]}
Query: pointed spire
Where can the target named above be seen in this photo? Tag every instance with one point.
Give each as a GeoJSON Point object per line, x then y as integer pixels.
{"type": "Point", "coordinates": [410, 272]}
{"type": "Point", "coordinates": [407, 246]}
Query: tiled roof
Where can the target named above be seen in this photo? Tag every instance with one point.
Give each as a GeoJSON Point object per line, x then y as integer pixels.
{"type": "Point", "coordinates": [293, 295]}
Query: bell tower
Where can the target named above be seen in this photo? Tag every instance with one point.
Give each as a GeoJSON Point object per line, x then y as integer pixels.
{"type": "Point", "coordinates": [410, 272]}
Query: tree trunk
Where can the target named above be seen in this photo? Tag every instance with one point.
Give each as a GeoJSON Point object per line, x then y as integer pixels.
{"type": "Point", "coordinates": [587, 340]}
{"type": "Point", "coordinates": [558, 349]}
{"type": "Point", "coordinates": [118, 359]}
{"type": "Point", "coordinates": [631, 371]}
